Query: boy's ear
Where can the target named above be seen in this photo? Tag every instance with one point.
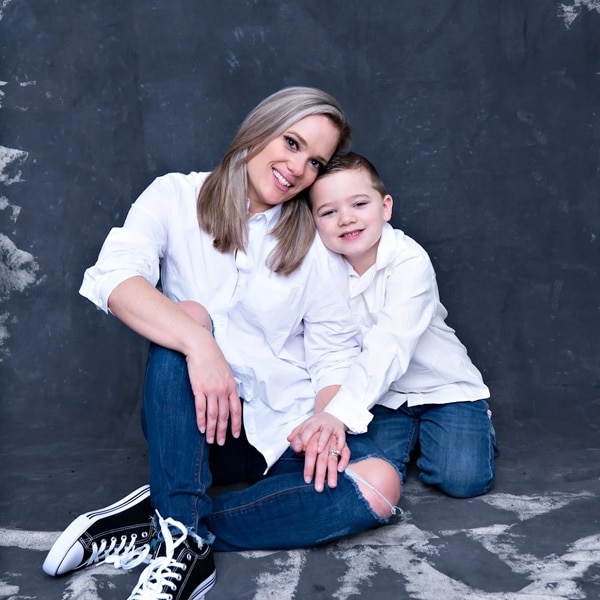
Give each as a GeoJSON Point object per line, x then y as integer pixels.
{"type": "Point", "coordinates": [388, 204]}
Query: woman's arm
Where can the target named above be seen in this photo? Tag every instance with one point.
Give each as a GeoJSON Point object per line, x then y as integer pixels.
{"type": "Point", "coordinates": [138, 304]}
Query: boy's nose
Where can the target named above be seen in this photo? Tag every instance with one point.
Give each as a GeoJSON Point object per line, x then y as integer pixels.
{"type": "Point", "coordinates": [346, 216]}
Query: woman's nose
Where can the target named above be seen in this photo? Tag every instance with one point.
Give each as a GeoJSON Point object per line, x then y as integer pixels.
{"type": "Point", "coordinates": [296, 165]}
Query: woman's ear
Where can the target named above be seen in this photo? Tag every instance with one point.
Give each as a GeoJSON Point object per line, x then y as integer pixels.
{"type": "Point", "coordinates": [388, 204]}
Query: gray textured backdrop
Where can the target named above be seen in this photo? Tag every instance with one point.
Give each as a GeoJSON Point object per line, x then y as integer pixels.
{"type": "Point", "coordinates": [483, 117]}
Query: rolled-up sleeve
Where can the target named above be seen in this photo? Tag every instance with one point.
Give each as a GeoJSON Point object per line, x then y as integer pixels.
{"type": "Point", "coordinates": [132, 250]}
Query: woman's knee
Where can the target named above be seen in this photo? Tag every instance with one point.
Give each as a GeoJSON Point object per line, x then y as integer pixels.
{"type": "Point", "coordinates": [197, 312]}
{"type": "Point", "coordinates": [380, 486]}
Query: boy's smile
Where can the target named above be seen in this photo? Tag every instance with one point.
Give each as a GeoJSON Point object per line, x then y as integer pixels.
{"type": "Point", "coordinates": [349, 213]}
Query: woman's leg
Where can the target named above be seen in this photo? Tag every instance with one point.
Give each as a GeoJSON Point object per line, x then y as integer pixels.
{"type": "Point", "coordinates": [458, 448]}
{"type": "Point", "coordinates": [177, 451]}
{"type": "Point", "coordinates": [282, 511]}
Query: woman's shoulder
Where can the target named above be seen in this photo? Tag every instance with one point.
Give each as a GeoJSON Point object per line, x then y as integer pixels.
{"type": "Point", "coordinates": [193, 179]}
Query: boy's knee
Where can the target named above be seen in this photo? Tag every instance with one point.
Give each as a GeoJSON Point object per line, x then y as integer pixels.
{"type": "Point", "coordinates": [461, 484]}
{"type": "Point", "coordinates": [382, 487]}
{"type": "Point", "coordinates": [466, 488]}
{"type": "Point", "coordinates": [197, 312]}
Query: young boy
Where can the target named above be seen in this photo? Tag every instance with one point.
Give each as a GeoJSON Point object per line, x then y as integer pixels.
{"type": "Point", "coordinates": [413, 374]}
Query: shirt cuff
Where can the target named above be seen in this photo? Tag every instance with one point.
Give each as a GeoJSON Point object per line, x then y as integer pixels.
{"type": "Point", "coordinates": [350, 412]}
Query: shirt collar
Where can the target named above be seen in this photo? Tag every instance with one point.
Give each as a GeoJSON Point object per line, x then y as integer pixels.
{"type": "Point", "coordinates": [385, 254]}
{"type": "Point", "coordinates": [271, 215]}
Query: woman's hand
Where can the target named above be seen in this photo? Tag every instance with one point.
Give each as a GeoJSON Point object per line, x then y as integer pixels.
{"type": "Point", "coordinates": [215, 392]}
{"type": "Point", "coordinates": [183, 328]}
{"type": "Point", "coordinates": [317, 437]}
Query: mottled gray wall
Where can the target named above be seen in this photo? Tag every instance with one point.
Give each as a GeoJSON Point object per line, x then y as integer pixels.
{"type": "Point", "coordinates": [483, 117]}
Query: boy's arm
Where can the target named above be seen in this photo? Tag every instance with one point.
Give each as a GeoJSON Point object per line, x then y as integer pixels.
{"type": "Point", "coordinates": [411, 299]}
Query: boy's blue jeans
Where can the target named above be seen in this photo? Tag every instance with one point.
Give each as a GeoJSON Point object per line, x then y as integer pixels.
{"type": "Point", "coordinates": [457, 444]}
{"type": "Point", "coordinates": [278, 511]}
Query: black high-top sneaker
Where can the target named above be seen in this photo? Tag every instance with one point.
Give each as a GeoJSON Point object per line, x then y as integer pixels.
{"type": "Point", "coordinates": [183, 567]}
{"type": "Point", "coordinates": [121, 532]}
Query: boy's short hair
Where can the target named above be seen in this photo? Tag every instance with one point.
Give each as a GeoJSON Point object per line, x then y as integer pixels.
{"type": "Point", "coordinates": [350, 161]}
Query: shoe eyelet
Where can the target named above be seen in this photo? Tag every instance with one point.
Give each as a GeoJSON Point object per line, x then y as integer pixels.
{"type": "Point", "coordinates": [113, 539]}
{"type": "Point", "coordinates": [189, 556]}
{"type": "Point", "coordinates": [144, 535]}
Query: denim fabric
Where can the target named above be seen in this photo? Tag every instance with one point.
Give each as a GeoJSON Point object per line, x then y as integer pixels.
{"type": "Point", "coordinates": [278, 511]}
{"type": "Point", "coordinates": [457, 444]}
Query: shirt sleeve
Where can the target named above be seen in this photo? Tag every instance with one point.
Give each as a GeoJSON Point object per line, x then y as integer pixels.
{"type": "Point", "coordinates": [134, 249]}
{"type": "Point", "coordinates": [409, 307]}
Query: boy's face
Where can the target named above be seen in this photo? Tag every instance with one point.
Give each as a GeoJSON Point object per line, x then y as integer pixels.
{"type": "Point", "coordinates": [350, 214]}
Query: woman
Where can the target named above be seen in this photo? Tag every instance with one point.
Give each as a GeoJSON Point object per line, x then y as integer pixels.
{"type": "Point", "coordinates": [237, 243]}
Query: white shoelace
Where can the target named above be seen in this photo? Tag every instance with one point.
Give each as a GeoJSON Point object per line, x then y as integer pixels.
{"type": "Point", "coordinates": [125, 555]}
{"type": "Point", "coordinates": [163, 570]}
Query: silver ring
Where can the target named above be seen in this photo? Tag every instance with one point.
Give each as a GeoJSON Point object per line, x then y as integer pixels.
{"type": "Point", "coordinates": [335, 453]}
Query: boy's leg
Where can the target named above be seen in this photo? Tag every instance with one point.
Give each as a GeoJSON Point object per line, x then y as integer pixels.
{"type": "Point", "coordinates": [458, 448]}
{"type": "Point", "coordinates": [282, 511]}
{"type": "Point", "coordinates": [395, 433]}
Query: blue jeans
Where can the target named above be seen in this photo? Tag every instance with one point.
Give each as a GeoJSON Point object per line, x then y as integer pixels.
{"type": "Point", "coordinates": [457, 444]}
{"type": "Point", "coordinates": [276, 511]}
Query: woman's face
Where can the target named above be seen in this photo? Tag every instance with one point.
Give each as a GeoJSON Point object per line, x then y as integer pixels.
{"type": "Point", "coordinates": [290, 162]}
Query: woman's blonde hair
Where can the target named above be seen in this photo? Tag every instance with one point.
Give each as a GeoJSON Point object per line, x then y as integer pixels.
{"type": "Point", "coordinates": [222, 201]}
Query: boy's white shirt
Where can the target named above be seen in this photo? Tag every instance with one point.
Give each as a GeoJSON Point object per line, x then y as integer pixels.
{"type": "Point", "coordinates": [409, 352]}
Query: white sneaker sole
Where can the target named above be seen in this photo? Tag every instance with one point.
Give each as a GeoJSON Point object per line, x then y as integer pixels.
{"type": "Point", "coordinates": [63, 546]}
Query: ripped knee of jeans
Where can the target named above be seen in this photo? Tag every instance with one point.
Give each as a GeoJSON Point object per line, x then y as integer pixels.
{"type": "Point", "coordinates": [384, 504]}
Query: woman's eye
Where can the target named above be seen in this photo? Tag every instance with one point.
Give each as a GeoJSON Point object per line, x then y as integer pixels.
{"type": "Point", "coordinates": [291, 142]}
{"type": "Point", "coordinates": [317, 164]}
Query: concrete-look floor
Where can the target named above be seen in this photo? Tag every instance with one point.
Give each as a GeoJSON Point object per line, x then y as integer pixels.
{"type": "Point", "coordinates": [535, 536]}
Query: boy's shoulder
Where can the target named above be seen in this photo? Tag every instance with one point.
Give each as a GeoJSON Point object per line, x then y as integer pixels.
{"type": "Point", "coordinates": [397, 245]}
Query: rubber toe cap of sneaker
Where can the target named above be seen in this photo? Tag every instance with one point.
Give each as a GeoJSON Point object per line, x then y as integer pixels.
{"type": "Point", "coordinates": [58, 562]}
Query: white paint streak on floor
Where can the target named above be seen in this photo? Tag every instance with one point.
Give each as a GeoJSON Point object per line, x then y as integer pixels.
{"type": "Point", "coordinates": [83, 585]}
{"type": "Point", "coordinates": [7, 590]}
{"type": "Point", "coordinates": [527, 507]}
{"type": "Point", "coordinates": [404, 549]}
{"type": "Point", "coordinates": [27, 540]}
{"type": "Point", "coordinates": [284, 582]}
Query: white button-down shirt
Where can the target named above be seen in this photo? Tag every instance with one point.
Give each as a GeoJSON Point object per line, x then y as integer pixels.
{"type": "Point", "coordinates": [409, 352]}
{"type": "Point", "coordinates": [285, 337]}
